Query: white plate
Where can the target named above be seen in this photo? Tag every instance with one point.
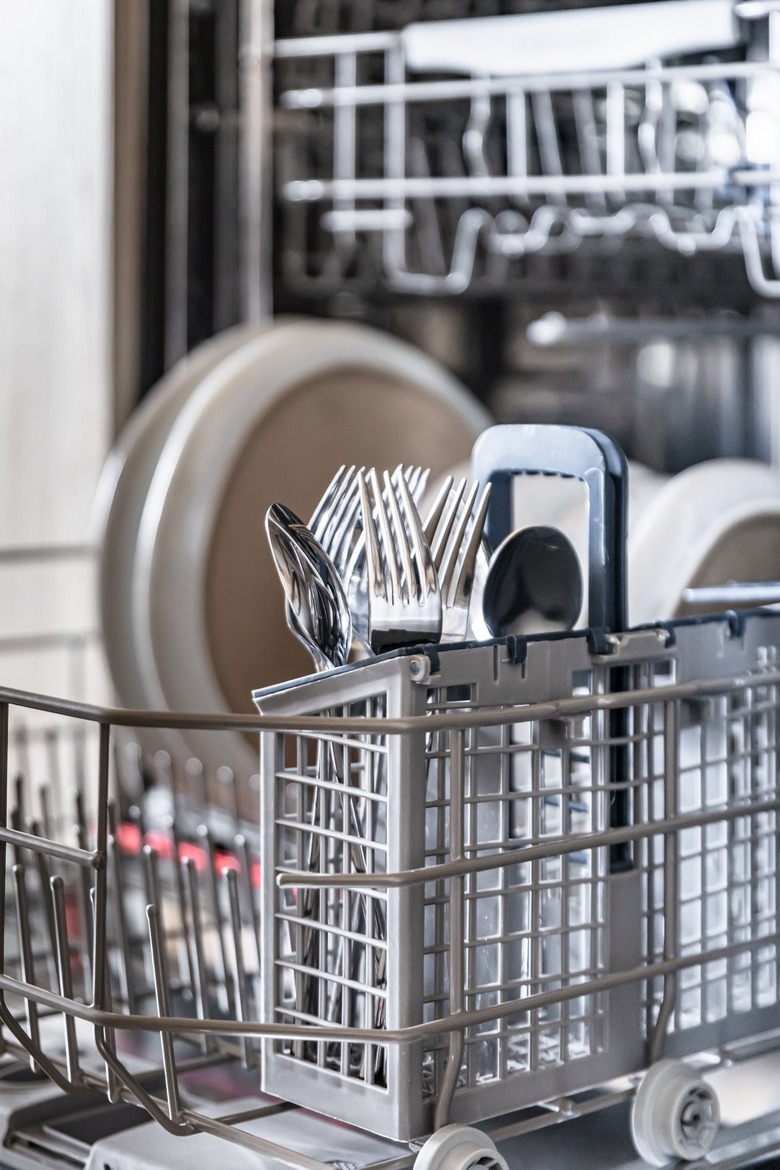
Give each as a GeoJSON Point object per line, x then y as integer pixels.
{"type": "Point", "coordinates": [271, 422]}
{"type": "Point", "coordinates": [714, 522]}
{"type": "Point", "coordinates": [570, 41]}
{"type": "Point", "coordinates": [120, 499]}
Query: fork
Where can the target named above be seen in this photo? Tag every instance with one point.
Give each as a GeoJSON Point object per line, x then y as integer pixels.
{"type": "Point", "coordinates": [454, 529]}
{"type": "Point", "coordinates": [336, 524]}
{"type": "Point", "coordinates": [335, 521]}
{"type": "Point", "coordinates": [404, 600]}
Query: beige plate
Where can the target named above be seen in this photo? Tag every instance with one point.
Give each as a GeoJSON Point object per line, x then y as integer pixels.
{"type": "Point", "coordinates": [121, 496]}
{"type": "Point", "coordinates": [271, 422]}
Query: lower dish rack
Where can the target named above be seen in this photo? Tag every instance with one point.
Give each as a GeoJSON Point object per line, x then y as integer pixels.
{"type": "Point", "coordinates": [494, 881]}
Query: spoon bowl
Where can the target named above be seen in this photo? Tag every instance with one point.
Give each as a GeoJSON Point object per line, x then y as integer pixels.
{"type": "Point", "coordinates": [316, 604]}
{"type": "Point", "coordinates": [534, 583]}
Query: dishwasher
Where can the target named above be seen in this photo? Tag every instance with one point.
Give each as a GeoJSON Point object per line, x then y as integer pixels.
{"type": "Point", "coordinates": [511, 902]}
{"type": "Point", "coordinates": [505, 892]}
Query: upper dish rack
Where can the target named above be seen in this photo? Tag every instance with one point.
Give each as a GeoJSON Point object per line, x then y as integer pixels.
{"type": "Point", "coordinates": [435, 159]}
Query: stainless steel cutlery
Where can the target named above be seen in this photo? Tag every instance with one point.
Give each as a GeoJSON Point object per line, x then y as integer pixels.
{"type": "Point", "coordinates": [404, 598]}
{"type": "Point", "coordinates": [369, 574]}
{"type": "Point", "coordinates": [315, 601]}
{"type": "Point", "coordinates": [455, 527]}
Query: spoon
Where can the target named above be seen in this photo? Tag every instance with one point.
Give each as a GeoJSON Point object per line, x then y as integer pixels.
{"type": "Point", "coordinates": [316, 604]}
{"type": "Point", "coordinates": [534, 583]}
{"type": "Point", "coordinates": [319, 616]}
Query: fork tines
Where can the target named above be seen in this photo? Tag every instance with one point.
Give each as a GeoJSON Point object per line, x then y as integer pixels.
{"type": "Point", "coordinates": [454, 528]}
{"type": "Point", "coordinates": [404, 601]}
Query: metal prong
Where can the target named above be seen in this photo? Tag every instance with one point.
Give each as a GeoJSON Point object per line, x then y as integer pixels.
{"type": "Point", "coordinates": [245, 857]}
{"type": "Point", "coordinates": [326, 499]}
{"type": "Point", "coordinates": [44, 795]}
{"type": "Point", "coordinates": [465, 576]}
{"type": "Point", "coordinates": [26, 954]}
{"type": "Point", "coordinates": [118, 887]}
{"type": "Point", "coordinates": [445, 525]}
{"type": "Point", "coordinates": [397, 541]}
{"type": "Point", "coordinates": [239, 971]}
{"type": "Point", "coordinates": [200, 991]}
{"type": "Point", "coordinates": [82, 841]}
{"type": "Point", "coordinates": [374, 567]}
{"type": "Point", "coordinates": [163, 1009]}
{"type": "Point", "coordinates": [65, 977]}
{"type": "Point", "coordinates": [225, 989]}
{"type": "Point", "coordinates": [431, 523]}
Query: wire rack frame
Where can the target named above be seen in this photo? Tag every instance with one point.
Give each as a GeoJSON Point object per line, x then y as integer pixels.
{"type": "Point", "coordinates": [236, 1037]}
{"type": "Point", "coordinates": [441, 183]}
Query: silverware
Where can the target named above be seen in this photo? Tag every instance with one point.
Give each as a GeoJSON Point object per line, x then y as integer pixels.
{"type": "Point", "coordinates": [316, 604]}
{"type": "Point", "coordinates": [404, 600]}
{"type": "Point", "coordinates": [336, 523]}
{"type": "Point", "coordinates": [366, 574]}
{"type": "Point", "coordinates": [454, 529]}
{"type": "Point", "coordinates": [534, 583]}
{"type": "Point", "coordinates": [318, 615]}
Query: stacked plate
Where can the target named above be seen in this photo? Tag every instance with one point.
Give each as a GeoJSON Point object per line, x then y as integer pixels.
{"type": "Point", "coordinates": [191, 608]}
{"type": "Point", "coordinates": [715, 522]}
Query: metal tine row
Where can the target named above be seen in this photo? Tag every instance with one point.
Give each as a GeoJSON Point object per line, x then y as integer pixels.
{"type": "Point", "coordinates": [337, 524]}
{"type": "Point", "coordinates": [199, 914]}
{"type": "Point", "coordinates": [56, 941]}
{"type": "Point", "coordinates": [62, 955]}
{"type": "Point", "coordinates": [418, 568]}
{"type": "Point", "coordinates": [50, 955]}
{"type": "Point", "coordinates": [415, 480]}
{"type": "Point", "coordinates": [659, 128]}
{"type": "Point", "coordinates": [38, 921]}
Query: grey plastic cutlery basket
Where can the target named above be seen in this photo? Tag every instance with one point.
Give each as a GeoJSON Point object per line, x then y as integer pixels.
{"type": "Point", "coordinates": [466, 793]}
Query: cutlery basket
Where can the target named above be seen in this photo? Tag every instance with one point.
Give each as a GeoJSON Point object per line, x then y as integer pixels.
{"type": "Point", "coordinates": [448, 863]}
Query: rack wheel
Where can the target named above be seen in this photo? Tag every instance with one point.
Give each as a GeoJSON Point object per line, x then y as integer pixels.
{"type": "Point", "coordinates": [459, 1147]}
{"type": "Point", "coordinates": [675, 1114]}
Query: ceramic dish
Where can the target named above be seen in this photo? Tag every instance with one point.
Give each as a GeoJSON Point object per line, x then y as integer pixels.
{"type": "Point", "coordinates": [272, 421]}
{"type": "Point", "coordinates": [715, 522]}
{"type": "Point", "coordinates": [120, 499]}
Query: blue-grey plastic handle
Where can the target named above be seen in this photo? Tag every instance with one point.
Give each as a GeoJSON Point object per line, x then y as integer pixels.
{"type": "Point", "coordinates": [503, 452]}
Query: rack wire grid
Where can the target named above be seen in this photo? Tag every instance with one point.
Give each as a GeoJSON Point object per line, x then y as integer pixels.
{"type": "Point", "coordinates": [430, 171]}
{"type": "Point", "coordinates": [570, 854]}
{"type": "Point", "coordinates": [491, 876]}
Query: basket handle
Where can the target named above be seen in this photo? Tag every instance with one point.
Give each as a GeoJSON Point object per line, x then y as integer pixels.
{"type": "Point", "coordinates": [503, 452]}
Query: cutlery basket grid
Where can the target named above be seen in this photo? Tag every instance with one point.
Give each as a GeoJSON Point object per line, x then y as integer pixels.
{"type": "Point", "coordinates": [392, 167]}
{"type": "Point", "coordinates": [527, 928]}
{"type": "Point", "coordinates": [724, 874]}
{"type": "Point", "coordinates": [518, 758]}
{"type": "Point", "coordinates": [457, 900]}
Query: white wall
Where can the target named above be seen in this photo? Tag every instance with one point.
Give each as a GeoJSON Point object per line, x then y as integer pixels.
{"type": "Point", "coordinates": [55, 310]}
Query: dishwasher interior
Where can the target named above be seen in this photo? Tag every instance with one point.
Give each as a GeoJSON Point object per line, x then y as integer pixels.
{"type": "Point", "coordinates": [507, 902]}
